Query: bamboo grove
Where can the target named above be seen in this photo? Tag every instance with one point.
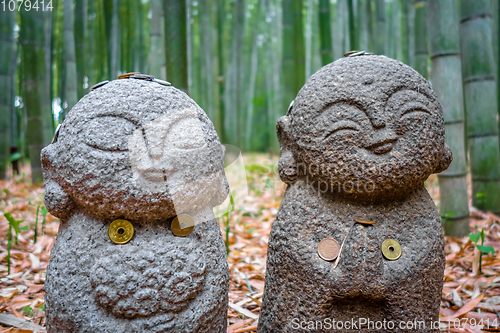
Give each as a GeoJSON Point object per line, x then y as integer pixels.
{"type": "Point", "coordinates": [243, 61]}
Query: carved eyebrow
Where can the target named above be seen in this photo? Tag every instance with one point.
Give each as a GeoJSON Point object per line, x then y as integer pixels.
{"type": "Point", "coordinates": [129, 119]}
{"type": "Point", "coordinates": [355, 104]}
{"type": "Point", "coordinates": [403, 89]}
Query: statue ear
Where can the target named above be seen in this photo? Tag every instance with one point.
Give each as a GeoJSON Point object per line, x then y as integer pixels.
{"type": "Point", "coordinates": [221, 193]}
{"type": "Point", "coordinates": [445, 161]}
{"type": "Point", "coordinates": [287, 167]}
{"type": "Point", "coordinates": [56, 200]}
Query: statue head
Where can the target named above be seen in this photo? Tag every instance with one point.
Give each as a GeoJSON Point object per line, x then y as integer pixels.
{"type": "Point", "coordinates": [368, 128]}
{"type": "Point", "coordinates": [134, 149]}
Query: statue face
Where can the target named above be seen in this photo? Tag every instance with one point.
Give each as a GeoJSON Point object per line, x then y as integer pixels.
{"type": "Point", "coordinates": [368, 127]}
{"type": "Point", "coordinates": [133, 149]}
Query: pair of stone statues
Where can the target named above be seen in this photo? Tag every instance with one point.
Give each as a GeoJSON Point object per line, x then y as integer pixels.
{"type": "Point", "coordinates": [137, 168]}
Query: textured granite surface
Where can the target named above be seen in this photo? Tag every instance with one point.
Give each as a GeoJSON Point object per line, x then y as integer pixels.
{"type": "Point", "coordinates": [144, 152]}
{"type": "Point", "coordinates": [363, 135]}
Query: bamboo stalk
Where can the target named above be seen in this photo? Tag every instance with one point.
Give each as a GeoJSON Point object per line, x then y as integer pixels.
{"type": "Point", "coordinates": [325, 31]}
{"type": "Point", "coordinates": [293, 66]}
{"type": "Point", "coordinates": [157, 49]}
{"type": "Point", "coordinates": [80, 45]}
{"type": "Point", "coordinates": [380, 27]}
{"type": "Point", "coordinates": [405, 31]}
{"type": "Point", "coordinates": [237, 73]}
{"type": "Point", "coordinates": [362, 23]}
{"type": "Point", "coordinates": [446, 75]}
{"type": "Point", "coordinates": [391, 43]}
{"type": "Point", "coordinates": [481, 107]}
{"type": "Point", "coordinates": [6, 73]}
{"type": "Point", "coordinates": [31, 92]}
{"type": "Point", "coordinates": [69, 56]}
{"type": "Point", "coordinates": [308, 37]}
{"type": "Point", "coordinates": [253, 77]}
{"type": "Point", "coordinates": [353, 34]}
{"type": "Point", "coordinates": [127, 22]}
{"type": "Point", "coordinates": [89, 43]}
{"type": "Point", "coordinates": [114, 38]}
{"type": "Point", "coordinates": [176, 42]}
{"type": "Point", "coordinates": [221, 57]}
{"type": "Point", "coordinates": [421, 40]}
{"type": "Point", "coordinates": [214, 48]}
{"type": "Point", "coordinates": [370, 25]}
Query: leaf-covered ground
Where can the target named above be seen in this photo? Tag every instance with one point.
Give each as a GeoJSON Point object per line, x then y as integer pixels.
{"type": "Point", "coordinates": [470, 297]}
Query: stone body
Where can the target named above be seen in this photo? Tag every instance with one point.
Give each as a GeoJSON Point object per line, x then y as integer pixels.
{"type": "Point", "coordinates": [363, 135]}
{"type": "Point", "coordinates": [136, 150]}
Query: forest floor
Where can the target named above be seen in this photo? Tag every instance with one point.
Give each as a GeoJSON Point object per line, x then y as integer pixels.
{"type": "Point", "coordinates": [470, 298]}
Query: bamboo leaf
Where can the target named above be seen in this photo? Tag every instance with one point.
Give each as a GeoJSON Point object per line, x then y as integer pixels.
{"type": "Point", "coordinates": [486, 249]}
{"type": "Point", "coordinates": [475, 237]}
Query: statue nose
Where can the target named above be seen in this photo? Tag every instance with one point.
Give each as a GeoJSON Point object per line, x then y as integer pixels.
{"type": "Point", "coordinates": [383, 141]}
{"type": "Point", "coordinates": [154, 135]}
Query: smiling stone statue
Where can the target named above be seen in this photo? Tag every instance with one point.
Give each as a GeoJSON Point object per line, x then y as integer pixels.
{"type": "Point", "coordinates": [358, 241]}
{"type": "Point", "coordinates": [133, 176]}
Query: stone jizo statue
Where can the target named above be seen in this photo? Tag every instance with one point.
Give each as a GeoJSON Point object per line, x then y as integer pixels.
{"type": "Point", "coordinates": [357, 237]}
{"type": "Point", "coordinates": [134, 174]}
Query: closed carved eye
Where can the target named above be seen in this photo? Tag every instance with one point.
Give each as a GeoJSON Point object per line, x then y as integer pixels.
{"type": "Point", "coordinates": [411, 110]}
{"type": "Point", "coordinates": [343, 127]}
{"type": "Point", "coordinates": [108, 133]}
{"type": "Point", "coordinates": [186, 134]}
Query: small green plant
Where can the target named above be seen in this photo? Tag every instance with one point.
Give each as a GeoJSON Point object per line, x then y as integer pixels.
{"type": "Point", "coordinates": [36, 224]}
{"type": "Point", "coordinates": [482, 249]}
{"type": "Point", "coordinates": [13, 224]}
{"type": "Point", "coordinates": [227, 215]}
{"type": "Point", "coordinates": [28, 311]}
{"type": "Point", "coordinates": [15, 157]}
{"type": "Point", "coordinates": [268, 182]}
{"type": "Point", "coordinates": [44, 218]}
{"type": "Point", "coordinates": [481, 199]}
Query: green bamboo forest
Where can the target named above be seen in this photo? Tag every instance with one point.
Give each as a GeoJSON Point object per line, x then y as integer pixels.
{"type": "Point", "coordinates": [243, 62]}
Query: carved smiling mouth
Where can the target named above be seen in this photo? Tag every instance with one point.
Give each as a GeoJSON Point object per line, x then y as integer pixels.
{"type": "Point", "coordinates": [153, 174]}
{"type": "Point", "coordinates": [383, 146]}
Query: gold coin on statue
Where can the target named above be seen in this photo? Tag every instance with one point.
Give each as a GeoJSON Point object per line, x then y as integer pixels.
{"type": "Point", "coordinates": [182, 225]}
{"type": "Point", "coordinates": [391, 249]}
{"type": "Point", "coordinates": [351, 52]}
{"type": "Point", "coordinates": [364, 221]}
{"type": "Point", "coordinates": [127, 75]}
{"type": "Point", "coordinates": [328, 249]}
{"type": "Point", "coordinates": [120, 231]}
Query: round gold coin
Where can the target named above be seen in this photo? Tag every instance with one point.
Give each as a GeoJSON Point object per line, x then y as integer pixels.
{"type": "Point", "coordinates": [127, 75]}
{"type": "Point", "coordinates": [120, 231]}
{"type": "Point", "coordinates": [182, 225]}
{"type": "Point", "coordinates": [328, 249]}
{"type": "Point", "coordinates": [351, 52]}
{"type": "Point", "coordinates": [391, 249]}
